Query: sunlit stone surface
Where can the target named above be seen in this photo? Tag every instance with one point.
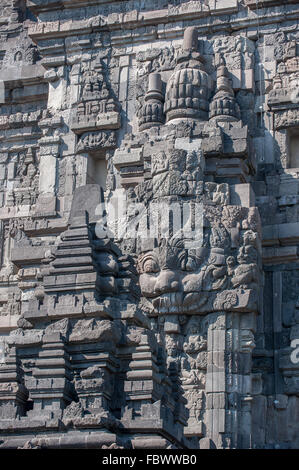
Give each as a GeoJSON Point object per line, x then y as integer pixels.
{"type": "Point", "coordinates": [149, 281]}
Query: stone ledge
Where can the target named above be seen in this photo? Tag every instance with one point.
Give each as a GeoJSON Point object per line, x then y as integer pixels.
{"type": "Point", "coordinates": [126, 158]}
{"type": "Point", "coordinates": [28, 254]}
{"type": "Point", "coordinates": [254, 4]}
{"type": "Point", "coordinates": [78, 440]}
{"type": "Point", "coordinates": [283, 234]}
{"type": "Point", "coordinates": [104, 121]}
{"type": "Point", "coordinates": [25, 74]}
{"type": "Point", "coordinates": [8, 322]}
{"type": "Point", "coordinates": [123, 22]}
{"type": "Point", "coordinates": [282, 254]}
{"type": "Point", "coordinates": [242, 194]}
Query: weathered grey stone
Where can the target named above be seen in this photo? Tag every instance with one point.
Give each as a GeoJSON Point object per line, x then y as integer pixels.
{"type": "Point", "coordinates": [149, 209]}
{"type": "Point", "coordinates": [87, 199]}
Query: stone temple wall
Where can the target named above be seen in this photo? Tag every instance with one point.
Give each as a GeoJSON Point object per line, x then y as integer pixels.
{"type": "Point", "coordinates": [149, 218]}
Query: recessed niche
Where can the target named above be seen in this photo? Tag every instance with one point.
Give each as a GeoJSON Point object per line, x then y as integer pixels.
{"type": "Point", "coordinates": [293, 148]}
{"type": "Point", "coordinates": [97, 171]}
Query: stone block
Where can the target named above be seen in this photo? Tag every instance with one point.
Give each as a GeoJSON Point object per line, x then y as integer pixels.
{"type": "Point", "coordinates": [242, 195]}
{"type": "Point", "coordinates": [280, 255]}
{"type": "Point", "coordinates": [46, 204]}
{"type": "Point", "coordinates": [147, 344]}
{"type": "Point", "coordinates": [206, 443]}
{"type": "Point", "coordinates": [11, 168]}
{"type": "Point", "coordinates": [28, 93]}
{"type": "Point", "coordinates": [47, 180]}
{"type": "Point", "coordinates": [24, 73]}
{"type": "Point", "coordinates": [128, 158]}
{"type": "Point", "coordinates": [288, 188]}
{"type": "Point", "coordinates": [281, 402]}
{"type": "Point", "coordinates": [8, 323]}
{"type": "Point", "coordinates": [2, 172]}
{"type": "Point", "coordinates": [188, 144]}
{"type": "Point", "coordinates": [88, 198]}
{"type": "Point", "coordinates": [22, 255]}
{"type": "Point", "coordinates": [56, 94]}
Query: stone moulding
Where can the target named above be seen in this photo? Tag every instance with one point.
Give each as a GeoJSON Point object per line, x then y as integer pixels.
{"type": "Point", "coordinates": [93, 141]}
{"type": "Point", "coordinates": [146, 213]}
{"type": "Point", "coordinates": [89, 123]}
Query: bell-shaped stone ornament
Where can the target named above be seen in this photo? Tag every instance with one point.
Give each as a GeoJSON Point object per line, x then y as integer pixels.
{"type": "Point", "coordinates": [187, 91]}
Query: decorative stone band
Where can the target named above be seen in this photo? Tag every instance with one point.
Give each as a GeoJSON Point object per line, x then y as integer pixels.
{"type": "Point", "coordinates": [234, 300]}
{"type": "Point", "coordinates": [84, 123]}
{"type": "Point", "coordinates": [152, 115]}
{"type": "Point", "coordinates": [286, 118]}
{"type": "Point", "coordinates": [90, 141]}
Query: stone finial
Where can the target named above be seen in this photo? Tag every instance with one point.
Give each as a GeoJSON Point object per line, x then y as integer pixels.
{"type": "Point", "coordinates": [223, 106]}
{"type": "Point", "coordinates": [29, 156]}
{"type": "Point", "coordinates": [154, 82]}
{"type": "Point", "coordinates": [190, 39]}
{"type": "Point", "coordinates": [223, 82]}
{"type": "Point", "coordinates": [187, 91]}
{"type": "Point", "coordinates": [151, 113]}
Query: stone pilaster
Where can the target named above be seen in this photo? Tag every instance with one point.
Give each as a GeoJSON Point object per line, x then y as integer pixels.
{"type": "Point", "coordinates": [50, 386]}
{"type": "Point", "coordinates": [13, 393]}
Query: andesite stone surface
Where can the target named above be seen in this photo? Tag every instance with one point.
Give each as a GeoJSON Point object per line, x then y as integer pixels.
{"type": "Point", "coordinates": [149, 219]}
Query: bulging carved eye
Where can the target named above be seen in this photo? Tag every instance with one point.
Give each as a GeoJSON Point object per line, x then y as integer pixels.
{"type": "Point", "coordinates": [150, 266]}
{"type": "Point", "coordinates": [188, 263]}
{"type": "Point", "coordinates": [191, 264]}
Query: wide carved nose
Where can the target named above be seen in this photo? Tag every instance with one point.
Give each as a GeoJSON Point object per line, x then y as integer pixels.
{"type": "Point", "coordinates": [167, 281]}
